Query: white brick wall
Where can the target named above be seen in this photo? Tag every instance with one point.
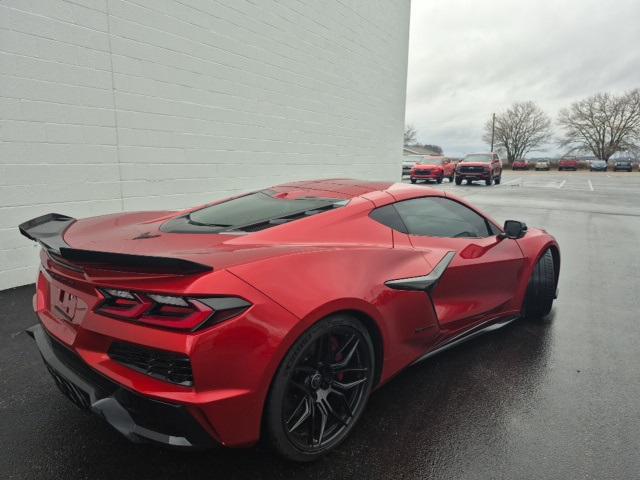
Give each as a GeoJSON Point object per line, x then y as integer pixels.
{"type": "Point", "coordinates": [108, 105]}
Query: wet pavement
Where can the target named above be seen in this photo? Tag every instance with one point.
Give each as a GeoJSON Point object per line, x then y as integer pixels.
{"type": "Point", "coordinates": [558, 398]}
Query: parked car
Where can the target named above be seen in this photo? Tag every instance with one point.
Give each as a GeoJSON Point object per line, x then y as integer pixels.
{"type": "Point", "coordinates": [433, 168]}
{"type": "Point", "coordinates": [273, 314]}
{"type": "Point", "coordinates": [598, 166]}
{"type": "Point", "coordinates": [568, 164]}
{"type": "Point", "coordinates": [541, 165]}
{"type": "Point", "coordinates": [520, 165]}
{"type": "Point", "coordinates": [408, 161]}
{"type": "Point", "coordinates": [622, 165]}
{"type": "Point", "coordinates": [479, 166]}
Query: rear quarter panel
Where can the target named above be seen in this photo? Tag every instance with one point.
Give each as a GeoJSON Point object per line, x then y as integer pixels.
{"type": "Point", "coordinates": [344, 279]}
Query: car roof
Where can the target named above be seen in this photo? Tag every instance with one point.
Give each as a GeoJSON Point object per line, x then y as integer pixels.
{"type": "Point", "coordinates": [348, 188]}
{"type": "Point", "coordinates": [343, 188]}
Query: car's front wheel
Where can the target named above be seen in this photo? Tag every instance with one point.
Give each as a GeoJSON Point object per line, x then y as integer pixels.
{"type": "Point", "coordinates": [413, 180]}
{"type": "Point", "coordinates": [541, 290]}
{"type": "Point", "coordinates": [498, 179]}
{"type": "Point", "coordinates": [320, 389]}
{"type": "Point", "coordinates": [458, 181]}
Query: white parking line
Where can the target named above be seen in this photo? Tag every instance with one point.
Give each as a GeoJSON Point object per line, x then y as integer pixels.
{"type": "Point", "coordinates": [562, 183]}
{"type": "Point", "coordinates": [515, 180]}
{"type": "Point", "coordinates": [590, 185]}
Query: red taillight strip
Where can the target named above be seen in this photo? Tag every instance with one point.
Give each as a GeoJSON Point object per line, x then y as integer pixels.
{"type": "Point", "coordinates": [196, 314]}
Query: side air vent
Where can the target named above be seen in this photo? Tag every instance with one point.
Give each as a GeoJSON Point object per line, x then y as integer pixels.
{"type": "Point", "coordinates": [166, 366]}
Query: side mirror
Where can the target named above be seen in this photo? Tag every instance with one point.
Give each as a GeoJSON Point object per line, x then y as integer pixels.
{"type": "Point", "coordinates": [514, 229]}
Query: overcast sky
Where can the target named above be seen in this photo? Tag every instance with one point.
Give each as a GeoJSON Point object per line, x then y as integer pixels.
{"type": "Point", "coordinates": [468, 58]}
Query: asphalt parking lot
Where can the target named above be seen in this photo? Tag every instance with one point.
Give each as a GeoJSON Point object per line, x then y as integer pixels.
{"type": "Point", "coordinates": [558, 398]}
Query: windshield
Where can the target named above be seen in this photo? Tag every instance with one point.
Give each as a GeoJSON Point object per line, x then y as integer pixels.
{"type": "Point", "coordinates": [477, 157]}
{"type": "Point", "coordinates": [431, 161]}
{"type": "Point", "coordinates": [259, 207]}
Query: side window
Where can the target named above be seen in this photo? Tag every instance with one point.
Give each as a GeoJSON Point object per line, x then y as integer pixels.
{"type": "Point", "coordinates": [442, 217]}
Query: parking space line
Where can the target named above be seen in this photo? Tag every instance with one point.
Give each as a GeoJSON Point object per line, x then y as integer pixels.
{"type": "Point", "coordinates": [515, 180]}
{"type": "Point", "coordinates": [562, 183]}
{"type": "Point", "coordinates": [590, 185]}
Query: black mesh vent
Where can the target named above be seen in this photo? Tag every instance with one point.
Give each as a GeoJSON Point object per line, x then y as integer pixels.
{"type": "Point", "coordinates": [167, 366]}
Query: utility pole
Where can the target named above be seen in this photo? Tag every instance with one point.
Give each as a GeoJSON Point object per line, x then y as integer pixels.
{"type": "Point", "coordinates": [493, 130]}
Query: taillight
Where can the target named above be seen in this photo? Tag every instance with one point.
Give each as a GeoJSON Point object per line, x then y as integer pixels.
{"type": "Point", "coordinates": [167, 311]}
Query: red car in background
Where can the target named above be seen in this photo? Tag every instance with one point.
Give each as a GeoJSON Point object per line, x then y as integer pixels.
{"type": "Point", "coordinates": [273, 314]}
{"type": "Point", "coordinates": [568, 164]}
{"type": "Point", "coordinates": [433, 168]}
{"type": "Point", "coordinates": [479, 166]}
{"type": "Point", "coordinates": [520, 165]}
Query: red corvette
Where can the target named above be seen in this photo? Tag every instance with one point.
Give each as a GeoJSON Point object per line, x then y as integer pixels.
{"type": "Point", "coordinates": [273, 314]}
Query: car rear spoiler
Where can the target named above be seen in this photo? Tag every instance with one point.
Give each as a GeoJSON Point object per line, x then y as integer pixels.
{"type": "Point", "coordinates": [48, 230]}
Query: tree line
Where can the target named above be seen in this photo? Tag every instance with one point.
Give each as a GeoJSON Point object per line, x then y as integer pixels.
{"type": "Point", "coordinates": [602, 124]}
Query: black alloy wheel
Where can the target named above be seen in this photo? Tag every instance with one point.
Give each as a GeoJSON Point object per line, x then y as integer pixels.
{"type": "Point", "coordinates": [320, 389]}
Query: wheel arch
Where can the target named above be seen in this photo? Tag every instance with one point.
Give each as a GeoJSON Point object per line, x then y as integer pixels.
{"type": "Point", "coordinates": [365, 316]}
{"type": "Point", "coordinates": [376, 338]}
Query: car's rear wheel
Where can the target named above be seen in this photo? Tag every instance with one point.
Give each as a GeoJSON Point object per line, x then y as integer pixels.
{"type": "Point", "coordinates": [413, 180]}
{"type": "Point", "coordinates": [439, 180]}
{"type": "Point", "coordinates": [458, 181]}
{"type": "Point", "coordinates": [451, 179]}
{"type": "Point", "coordinates": [542, 288]}
{"type": "Point", "coordinates": [488, 181]}
{"type": "Point", "coordinates": [320, 389]}
{"type": "Point", "coordinates": [498, 179]}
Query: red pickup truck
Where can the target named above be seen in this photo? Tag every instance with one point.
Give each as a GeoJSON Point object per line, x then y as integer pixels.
{"type": "Point", "coordinates": [479, 166]}
{"type": "Point", "coordinates": [568, 164]}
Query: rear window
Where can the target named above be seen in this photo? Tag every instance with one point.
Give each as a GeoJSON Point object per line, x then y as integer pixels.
{"type": "Point", "coordinates": [252, 212]}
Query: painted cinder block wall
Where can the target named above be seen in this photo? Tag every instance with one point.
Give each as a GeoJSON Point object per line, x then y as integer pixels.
{"type": "Point", "coordinates": [110, 105]}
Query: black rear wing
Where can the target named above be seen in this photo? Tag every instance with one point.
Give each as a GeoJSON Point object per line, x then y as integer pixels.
{"type": "Point", "coordinates": [48, 230]}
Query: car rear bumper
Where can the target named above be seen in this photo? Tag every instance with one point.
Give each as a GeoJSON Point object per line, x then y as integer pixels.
{"type": "Point", "coordinates": [429, 176]}
{"type": "Point", "coordinates": [474, 176]}
{"type": "Point", "coordinates": [139, 418]}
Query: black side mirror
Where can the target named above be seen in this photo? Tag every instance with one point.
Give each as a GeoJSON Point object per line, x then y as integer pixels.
{"type": "Point", "coordinates": [514, 229]}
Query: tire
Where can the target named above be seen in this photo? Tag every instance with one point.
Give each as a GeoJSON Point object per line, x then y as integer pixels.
{"type": "Point", "coordinates": [469, 181]}
{"type": "Point", "coordinates": [439, 180]}
{"type": "Point", "coordinates": [498, 179]}
{"type": "Point", "coordinates": [413, 180]}
{"type": "Point", "coordinates": [458, 181]}
{"type": "Point", "coordinates": [339, 338]}
{"type": "Point", "coordinates": [488, 182]}
{"type": "Point", "coordinates": [451, 179]}
{"type": "Point", "coordinates": [542, 288]}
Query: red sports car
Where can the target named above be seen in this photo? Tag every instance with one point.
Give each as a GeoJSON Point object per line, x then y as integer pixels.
{"type": "Point", "coordinates": [433, 168]}
{"type": "Point", "coordinates": [273, 314]}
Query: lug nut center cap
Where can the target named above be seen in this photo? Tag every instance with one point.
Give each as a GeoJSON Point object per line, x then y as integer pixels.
{"type": "Point", "coordinates": [315, 381]}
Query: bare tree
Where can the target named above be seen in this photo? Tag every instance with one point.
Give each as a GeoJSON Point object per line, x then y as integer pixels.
{"type": "Point", "coordinates": [521, 129]}
{"type": "Point", "coordinates": [602, 124]}
{"type": "Point", "coordinates": [410, 135]}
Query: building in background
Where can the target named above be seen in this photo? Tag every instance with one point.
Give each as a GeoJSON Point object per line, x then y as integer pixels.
{"type": "Point", "coordinates": [111, 105]}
